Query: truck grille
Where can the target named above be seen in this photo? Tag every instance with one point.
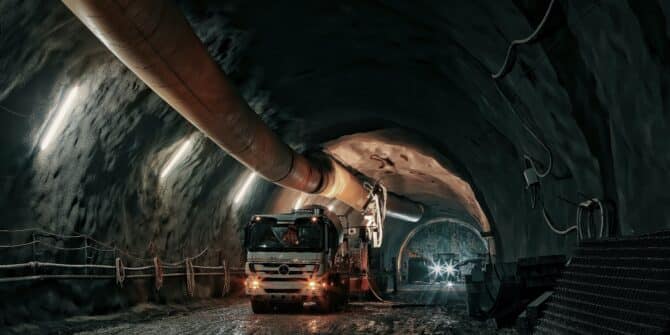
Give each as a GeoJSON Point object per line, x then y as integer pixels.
{"type": "Point", "coordinates": [276, 265]}
{"type": "Point", "coordinates": [273, 268]}
{"type": "Point", "coordinates": [283, 279]}
{"type": "Point", "coordinates": [282, 290]}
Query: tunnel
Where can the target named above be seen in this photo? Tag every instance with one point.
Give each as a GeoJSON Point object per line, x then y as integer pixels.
{"type": "Point", "coordinates": [447, 167]}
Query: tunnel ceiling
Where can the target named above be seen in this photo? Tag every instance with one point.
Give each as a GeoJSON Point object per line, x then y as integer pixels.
{"type": "Point", "coordinates": [410, 167]}
{"type": "Point", "coordinates": [593, 88]}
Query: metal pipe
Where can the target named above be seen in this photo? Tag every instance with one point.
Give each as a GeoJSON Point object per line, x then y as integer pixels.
{"type": "Point", "coordinates": [154, 40]}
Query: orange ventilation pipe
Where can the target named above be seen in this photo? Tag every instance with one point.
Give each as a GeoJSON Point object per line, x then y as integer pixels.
{"type": "Point", "coordinates": [154, 40]}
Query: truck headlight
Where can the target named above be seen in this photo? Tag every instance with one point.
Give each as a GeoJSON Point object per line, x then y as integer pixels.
{"type": "Point", "coordinates": [253, 283]}
{"type": "Point", "coordinates": [315, 284]}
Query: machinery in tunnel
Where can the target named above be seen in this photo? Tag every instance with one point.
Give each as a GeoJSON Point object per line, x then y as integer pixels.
{"type": "Point", "coordinates": [486, 167]}
{"type": "Point", "coordinates": [447, 249]}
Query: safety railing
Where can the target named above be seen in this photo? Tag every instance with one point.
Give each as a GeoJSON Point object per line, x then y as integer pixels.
{"type": "Point", "coordinates": [143, 267]}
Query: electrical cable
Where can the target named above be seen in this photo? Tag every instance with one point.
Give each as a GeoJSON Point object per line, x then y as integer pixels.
{"type": "Point", "coordinates": [532, 133]}
{"type": "Point", "coordinates": [580, 233]}
{"type": "Point", "coordinates": [603, 216]}
{"type": "Point", "coordinates": [551, 226]}
{"type": "Point", "coordinates": [511, 50]}
{"type": "Point", "coordinates": [9, 246]}
{"type": "Point", "coordinates": [586, 205]}
{"type": "Point", "coordinates": [531, 162]}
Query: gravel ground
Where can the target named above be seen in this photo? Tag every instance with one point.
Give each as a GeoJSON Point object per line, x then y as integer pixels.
{"type": "Point", "coordinates": [358, 318]}
{"type": "Point", "coordinates": [416, 309]}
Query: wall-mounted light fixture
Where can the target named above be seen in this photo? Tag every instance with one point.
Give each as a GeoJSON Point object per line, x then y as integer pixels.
{"type": "Point", "coordinates": [60, 115]}
{"type": "Point", "coordinates": [245, 188]}
{"type": "Point", "coordinates": [178, 157]}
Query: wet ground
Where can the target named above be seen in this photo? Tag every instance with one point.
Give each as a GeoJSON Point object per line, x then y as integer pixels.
{"type": "Point", "coordinates": [415, 310]}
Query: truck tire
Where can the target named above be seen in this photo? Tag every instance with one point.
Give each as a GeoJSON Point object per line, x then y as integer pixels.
{"type": "Point", "coordinates": [340, 297]}
{"type": "Point", "coordinates": [325, 305]}
{"type": "Point", "coordinates": [341, 302]}
{"type": "Point", "coordinates": [293, 307]}
{"type": "Point", "coordinates": [260, 307]}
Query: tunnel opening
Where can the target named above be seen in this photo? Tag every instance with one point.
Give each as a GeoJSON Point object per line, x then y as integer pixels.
{"type": "Point", "coordinates": [434, 259]}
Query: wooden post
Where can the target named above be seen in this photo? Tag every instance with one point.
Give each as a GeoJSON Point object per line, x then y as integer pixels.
{"type": "Point", "coordinates": [34, 254]}
{"type": "Point", "coordinates": [394, 271]}
{"type": "Point", "coordinates": [85, 254]}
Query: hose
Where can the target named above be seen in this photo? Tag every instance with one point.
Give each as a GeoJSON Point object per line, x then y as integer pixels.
{"type": "Point", "coordinates": [373, 290]}
{"type": "Point", "coordinates": [507, 64]}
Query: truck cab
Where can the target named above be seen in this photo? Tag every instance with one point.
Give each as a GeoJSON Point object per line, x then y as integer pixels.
{"type": "Point", "coordinates": [291, 260]}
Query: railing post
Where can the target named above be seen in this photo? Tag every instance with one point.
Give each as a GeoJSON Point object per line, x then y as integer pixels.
{"type": "Point", "coordinates": [86, 254]}
{"type": "Point", "coordinates": [226, 279]}
{"type": "Point", "coordinates": [34, 254]}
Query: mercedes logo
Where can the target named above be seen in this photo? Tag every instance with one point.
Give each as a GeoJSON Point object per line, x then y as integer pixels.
{"type": "Point", "coordinates": [283, 269]}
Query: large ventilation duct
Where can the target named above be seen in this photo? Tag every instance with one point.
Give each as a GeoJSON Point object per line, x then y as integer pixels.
{"type": "Point", "coordinates": [154, 40]}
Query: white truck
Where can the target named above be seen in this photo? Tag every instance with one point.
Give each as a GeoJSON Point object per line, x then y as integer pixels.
{"type": "Point", "coordinates": [298, 258]}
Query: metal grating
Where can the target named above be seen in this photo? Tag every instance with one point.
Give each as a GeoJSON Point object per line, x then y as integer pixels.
{"type": "Point", "coordinates": [615, 286]}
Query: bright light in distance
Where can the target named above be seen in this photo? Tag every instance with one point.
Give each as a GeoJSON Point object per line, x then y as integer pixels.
{"type": "Point", "coordinates": [60, 115]}
{"type": "Point", "coordinates": [177, 157]}
{"type": "Point", "coordinates": [245, 187]}
{"type": "Point", "coordinates": [436, 269]}
{"type": "Point", "coordinates": [450, 284]}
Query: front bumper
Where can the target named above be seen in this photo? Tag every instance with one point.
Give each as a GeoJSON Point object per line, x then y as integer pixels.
{"type": "Point", "coordinates": [298, 290]}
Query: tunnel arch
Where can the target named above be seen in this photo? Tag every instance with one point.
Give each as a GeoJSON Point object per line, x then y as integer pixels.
{"type": "Point", "coordinates": [490, 247]}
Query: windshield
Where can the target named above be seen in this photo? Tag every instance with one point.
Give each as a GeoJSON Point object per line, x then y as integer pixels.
{"type": "Point", "coordinates": [303, 235]}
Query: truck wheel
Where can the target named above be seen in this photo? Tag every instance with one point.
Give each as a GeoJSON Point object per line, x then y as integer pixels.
{"type": "Point", "coordinates": [339, 297]}
{"type": "Point", "coordinates": [260, 307]}
{"type": "Point", "coordinates": [326, 305]}
{"type": "Point", "coordinates": [341, 301]}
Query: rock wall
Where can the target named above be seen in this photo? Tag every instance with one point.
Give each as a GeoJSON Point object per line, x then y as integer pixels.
{"type": "Point", "coordinates": [593, 89]}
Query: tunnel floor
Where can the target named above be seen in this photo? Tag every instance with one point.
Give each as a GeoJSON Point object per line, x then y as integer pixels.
{"type": "Point", "coordinates": [416, 309]}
